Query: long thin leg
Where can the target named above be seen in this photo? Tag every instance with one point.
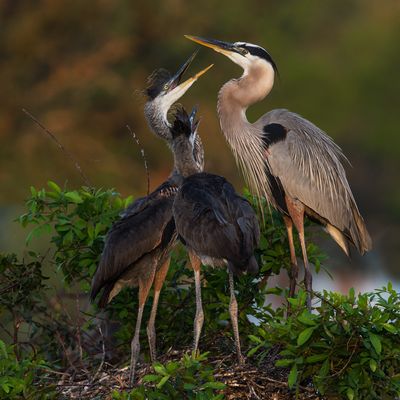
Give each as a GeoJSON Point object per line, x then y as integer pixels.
{"type": "Point", "coordinates": [144, 288]}
{"type": "Point", "coordinates": [296, 211]}
{"type": "Point", "coordinates": [307, 272]}
{"type": "Point", "coordinates": [199, 318]}
{"type": "Point", "coordinates": [294, 268]}
{"type": "Point", "coordinates": [151, 331]}
{"type": "Point", "coordinates": [233, 310]}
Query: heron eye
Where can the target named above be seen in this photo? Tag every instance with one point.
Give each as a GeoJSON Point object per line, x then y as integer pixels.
{"type": "Point", "coordinates": [166, 86]}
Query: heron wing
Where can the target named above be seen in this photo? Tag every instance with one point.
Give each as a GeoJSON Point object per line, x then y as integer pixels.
{"type": "Point", "coordinates": [139, 231]}
{"type": "Point", "coordinates": [213, 220]}
{"type": "Point", "coordinates": [308, 165]}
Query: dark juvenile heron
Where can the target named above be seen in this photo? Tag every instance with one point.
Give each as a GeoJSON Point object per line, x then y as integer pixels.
{"type": "Point", "coordinates": [286, 158]}
{"type": "Point", "coordinates": [218, 227]}
{"type": "Point", "coordinates": [137, 247]}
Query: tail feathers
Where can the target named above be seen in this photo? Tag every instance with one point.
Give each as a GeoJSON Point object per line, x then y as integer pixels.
{"type": "Point", "coordinates": [364, 242]}
{"type": "Point", "coordinates": [339, 238]}
{"type": "Point", "coordinates": [105, 297]}
{"type": "Point", "coordinates": [251, 267]}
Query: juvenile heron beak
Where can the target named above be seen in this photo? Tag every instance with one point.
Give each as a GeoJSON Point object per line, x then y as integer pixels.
{"type": "Point", "coordinates": [225, 48]}
{"type": "Point", "coordinates": [175, 81]}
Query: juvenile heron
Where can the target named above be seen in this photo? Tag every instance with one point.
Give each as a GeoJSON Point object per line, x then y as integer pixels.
{"type": "Point", "coordinates": [218, 227]}
{"type": "Point", "coordinates": [286, 158]}
{"type": "Point", "coordinates": [137, 247]}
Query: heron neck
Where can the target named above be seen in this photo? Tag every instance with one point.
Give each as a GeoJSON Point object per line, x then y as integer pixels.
{"type": "Point", "coordinates": [157, 119]}
{"type": "Point", "coordinates": [245, 139]}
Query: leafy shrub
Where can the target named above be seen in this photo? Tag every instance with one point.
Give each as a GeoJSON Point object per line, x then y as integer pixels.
{"type": "Point", "coordinates": [190, 378]}
{"type": "Point", "coordinates": [17, 377]}
{"type": "Point", "coordinates": [351, 346]}
{"type": "Point", "coordinates": [77, 221]}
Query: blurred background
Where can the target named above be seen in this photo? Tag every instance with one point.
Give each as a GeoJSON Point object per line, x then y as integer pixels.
{"type": "Point", "coordinates": [80, 67]}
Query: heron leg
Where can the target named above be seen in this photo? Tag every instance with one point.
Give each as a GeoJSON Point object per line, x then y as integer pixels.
{"type": "Point", "coordinates": [296, 211]}
{"type": "Point", "coordinates": [233, 311]}
{"type": "Point", "coordinates": [199, 318]}
{"type": "Point", "coordinates": [151, 331]}
{"type": "Point", "coordinates": [294, 268]}
{"type": "Point", "coordinates": [144, 288]}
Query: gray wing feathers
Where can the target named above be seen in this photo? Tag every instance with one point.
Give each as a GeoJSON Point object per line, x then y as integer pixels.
{"type": "Point", "coordinates": [308, 163]}
{"type": "Point", "coordinates": [131, 237]}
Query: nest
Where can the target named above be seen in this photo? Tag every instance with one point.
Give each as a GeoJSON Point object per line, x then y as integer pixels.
{"type": "Point", "coordinates": [247, 381]}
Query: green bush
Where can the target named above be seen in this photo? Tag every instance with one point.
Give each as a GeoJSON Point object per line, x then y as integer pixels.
{"type": "Point", "coordinates": [351, 346]}
{"type": "Point", "coordinates": [190, 378]}
{"type": "Point", "coordinates": [17, 376]}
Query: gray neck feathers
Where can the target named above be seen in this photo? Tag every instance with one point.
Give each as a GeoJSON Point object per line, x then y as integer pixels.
{"type": "Point", "coordinates": [244, 139]}
{"type": "Point", "coordinates": [157, 119]}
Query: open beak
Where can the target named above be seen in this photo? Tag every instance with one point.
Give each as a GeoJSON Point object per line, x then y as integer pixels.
{"type": "Point", "coordinates": [225, 48]}
{"type": "Point", "coordinates": [175, 81]}
{"type": "Point", "coordinates": [177, 89]}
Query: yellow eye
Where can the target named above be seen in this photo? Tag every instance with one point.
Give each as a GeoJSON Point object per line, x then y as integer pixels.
{"type": "Point", "coordinates": [166, 86]}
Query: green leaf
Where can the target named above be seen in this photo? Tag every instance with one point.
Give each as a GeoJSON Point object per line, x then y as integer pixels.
{"type": "Point", "coordinates": [292, 378]}
{"type": "Point", "coordinates": [255, 339]}
{"type": "Point", "coordinates": [304, 336]}
{"type": "Point", "coordinates": [389, 327]}
{"type": "Point", "coordinates": [74, 197]}
{"type": "Point", "coordinates": [214, 385]}
{"type": "Point", "coordinates": [306, 318]}
{"type": "Point", "coordinates": [150, 378]}
{"type": "Point", "coordinates": [160, 369]}
{"type": "Point", "coordinates": [372, 364]}
{"type": "Point", "coordinates": [376, 342]}
{"type": "Point", "coordinates": [316, 358]}
{"type": "Point", "coordinates": [350, 393]}
{"type": "Point", "coordinates": [3, 349]}
{"type": "Point", "coordinates": [54, 186]}
{"type": "Point", "coordinates": [284, 362]}
{"type": "Point", "coordinates": [5, 387]}
{"type": "Point", "coordinates": [163, 382]}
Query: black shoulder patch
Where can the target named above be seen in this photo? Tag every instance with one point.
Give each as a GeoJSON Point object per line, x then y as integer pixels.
{"type": "Point", "coordinates": [273, 133]}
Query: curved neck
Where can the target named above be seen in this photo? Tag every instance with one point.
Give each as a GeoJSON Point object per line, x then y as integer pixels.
{"type": "Point", "coordinates": [245, 139]}
{"type": "Point", "coordinates": [157, 119]}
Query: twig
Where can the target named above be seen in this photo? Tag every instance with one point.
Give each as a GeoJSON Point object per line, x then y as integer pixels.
{"type": "Point", "coordinates": [78, 329]}
{"type": "Point", "coordinates": [61, 341]}
{"type": "Point", "coordinates": [103, 355]}
{"type": "Point", "coordinates": [60, 146]}
{"type": "Point", "coordinates": [135, 138]}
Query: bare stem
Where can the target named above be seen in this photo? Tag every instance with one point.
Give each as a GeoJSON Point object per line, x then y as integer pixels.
{"type": "Point", "coordinates": [135, 138]}
{"type": "Point", "coordinates": [60, 146]}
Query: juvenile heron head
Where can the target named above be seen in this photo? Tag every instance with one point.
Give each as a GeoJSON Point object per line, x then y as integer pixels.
{"type": "Point", "coordinates": [163, 91]}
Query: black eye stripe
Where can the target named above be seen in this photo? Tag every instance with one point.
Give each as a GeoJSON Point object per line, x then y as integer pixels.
{"type": "Point", "coordinates": [259, 52]}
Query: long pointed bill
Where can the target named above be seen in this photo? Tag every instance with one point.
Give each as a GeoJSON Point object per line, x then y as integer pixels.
{"type": "Point", "coordinates": [217, 45]}
{"type": "Point", "coordinates": [176, 79]}
{"type": "Point", "coordinates": [178, 91]}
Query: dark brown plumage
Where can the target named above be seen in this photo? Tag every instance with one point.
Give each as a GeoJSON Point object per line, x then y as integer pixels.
{"type": "Point", "coordinates": [218, 227]}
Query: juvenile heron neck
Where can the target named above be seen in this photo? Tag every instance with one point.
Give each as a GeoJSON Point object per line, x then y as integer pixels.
{"type": "Point", "coordinates": [157, 119]}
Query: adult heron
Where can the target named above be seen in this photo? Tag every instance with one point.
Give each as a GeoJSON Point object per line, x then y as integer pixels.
{"type": "Point", "coordinates": [285, 158]}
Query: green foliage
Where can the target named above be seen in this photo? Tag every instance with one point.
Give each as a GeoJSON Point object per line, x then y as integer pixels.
{"type": "Point", "coordinates": [190, 378]}
{"type": "Point", "coordinates": [350, 346]}
{"type": "Point", "coordinates": [21, 284]}
{"type": "Point", "coordinates": [77, 221]}
{"type": "Point", "coordinates": [17, 377]}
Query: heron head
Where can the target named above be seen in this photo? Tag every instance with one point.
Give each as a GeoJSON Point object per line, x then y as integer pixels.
{"type": "Point", "coordinates": [168, 89]}
{"type": "Point", "coordinates": [241, 53]}
{"type": "Point", "coordinates": [186, 143]}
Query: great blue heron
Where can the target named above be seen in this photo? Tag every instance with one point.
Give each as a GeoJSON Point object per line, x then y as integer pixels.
{"type": "Point", "coordinates": [137, 247]}
{"type": "Point", "coordinates": [286, 158]}
{"type": "Point", "coordinates": [218, 227]}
